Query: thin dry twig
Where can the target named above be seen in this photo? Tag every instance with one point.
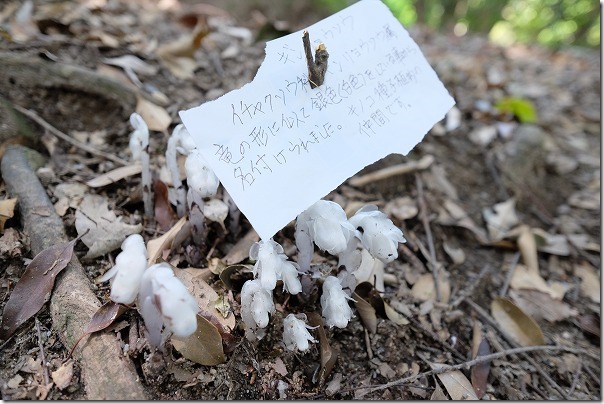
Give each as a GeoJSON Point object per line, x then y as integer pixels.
{"type": "Point", "coordinates": [467, 365]}
{"type": "Point", "coordinates": [573, 386]}
{"type": "Point", "coordinates": [423, 213]}
{"type": "Point", "coordinates": [398, 169]}
{"type": "Point", "coordinates": [42, 355]}
{"type": "Point", "coordinates": [509, 274]}
{"type": "Point", "coordinates": [39, 120]}
{"type": "Point", "coordinates": [470, 289]}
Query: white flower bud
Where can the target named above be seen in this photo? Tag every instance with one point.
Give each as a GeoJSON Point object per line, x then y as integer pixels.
{"type": "Point", "coordinates": [272, 265]}
{"type": "Point", "coordinates": [377, 233]}
{"type": "Point", "coordinates": [200, 178]}
{"type": "Point", "coordinates": [334, 302]}
{"type": "Point", "coordinates": [163, 299]}
{"type": "Point", "coordinates": [295, 332]}
{"type": "Point", "coordinates": [128, 270]}
{"type": "Point", "coordinates": [256, 305]}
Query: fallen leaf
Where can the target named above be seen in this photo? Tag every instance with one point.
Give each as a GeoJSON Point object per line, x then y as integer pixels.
{"type": "Point", "coordinates": [451, 214]}
{"type": "Point", "coordinates": [591, 324]}
{"type": "Point", "coordinates": [457, 385]}
{"type": "Point", "coordinates": [438, 394]}
{"type": "Point", "coordinates": [540, 305]}
{"type": "Point", "coordinates": [7, 210]}
{"type": "Point", "coordinates": [521, 108]}
{"type": "Point", "coordinates": [402, 208]}
{"type": "Point", "coordinates": [11, 244]}
{"type": "Point", "coordinates": [523, 278]}
{"type": "Point", "coordinates": [500, 218]}
{"type": "Point", "coordinates": [518, 325]}
{"type": "Point", "coordinates": [156, 117]}
{"type": "Point", "coordinates": [590, 281]}
{"type": "Point", "coordinates": [156, 246]}
{"type": "Point", "coordinates": [69, 195]}
{"type": "Point", "coordinates": [106, 231]}
{"type": "Point", "coordinates": [328, 355]}
{"type": "Point", "coordinates": [177, 56]}
{"type": "Point", "coordinates": [365, 309]}
{"type": "Point", "coordinates": [480, 372]}
{"type": "Point", "coordinates": [133, 63]}
{"type": "Point", "coordinates": [164, 214]}
{"type": "Point", "coordinates": [424, 288]}
{"type": "Point", "coordinates": [35, 286]}
{"type": "Point", "coordinates": [241, 250]}
{"type": "Point", "coordinates": [204, 346]}
{"type": "Point", "coordinates": [394, 316]}
{"type": "Point", "coordinates": [528, 248]}
{"type": "Point", "coordinates": [115, 175]}
{"type": "Point", "coordinates": [457, 255]}
{"type": "Point", "coordinates": [62, 376]}
{"type": "Point", "coordinates": [205, 296]}
{"type": "Point", "coordinates": [105, 316]}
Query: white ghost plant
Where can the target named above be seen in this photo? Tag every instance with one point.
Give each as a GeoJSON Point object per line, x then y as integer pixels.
{"type": "Point", "coordinates": [256, 305]}
{"type": "Point", "coordinates": [295, 332]}
{"type": "Point", "coordinates": [324, 224]}
{"type": "Point", "coordinates": [139, 146]}
{"type": "Point", "coordinates": [334, 303]}
{"type": "Point", "coordinates": [128, 270]}
{"type": "Point", "coordinates": [272, 265]}
{"type": "Point", "coordinates": [377, 233]}
{"type": "Point", "coordinates": [164, 301]}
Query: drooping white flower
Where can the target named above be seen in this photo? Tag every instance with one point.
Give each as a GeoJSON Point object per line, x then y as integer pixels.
{"type": "Point", "coordinates": [325, 224]}
{"type": "Point", "coordinates": [164, 301]}
{"type": "Point", "coordinates": [272, 265]}
{"type": "Point", "coordinates": [128, 270]}
{"type": "Point", "coordinates": [139, 146]}
{"type": "Point", "coordinates": [295, 332]}
{"type": "Point", "coordinates": [377, 233]}
{"type": "Point", "coordinates": [200, 177]}
{"type": "Point", "coordinates": [256, 305]}
{"type": "Point", "coordinates": [334, 303]}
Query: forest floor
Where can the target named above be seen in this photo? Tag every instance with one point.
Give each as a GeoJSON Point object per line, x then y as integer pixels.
{"type": "Point", "coordinates": [506, 212]}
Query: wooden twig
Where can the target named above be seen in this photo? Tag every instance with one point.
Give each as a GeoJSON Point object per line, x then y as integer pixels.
{"type": "Point", "coordinates": [467, 365]}
{"type": "Point", "coordinates": [54, 131]}
{"type": "Point", "coordinates": [106, 373]}
{"type": "Point", "coordinates": [318, 67]}
{"type": "Point", "coordinates": [511, 342]}
{"type": "Point", "coordinates": [42, 355]}
{"type": "Point", "coordinates": [423, 213]}
{"type": "Point", "coordinates": [573, 386]}
{"type": "Point", "coordinates": [392, 171]}
{"type": "Point", "coordinates": [509, 274]}
{"type": "Point", "coordinates": [468, 291]}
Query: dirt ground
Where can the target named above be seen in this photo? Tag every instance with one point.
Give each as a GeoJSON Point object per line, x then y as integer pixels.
{"type": "Point", "coordinates": [545, 175]}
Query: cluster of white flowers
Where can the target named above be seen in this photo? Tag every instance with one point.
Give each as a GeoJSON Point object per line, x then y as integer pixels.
{"type": "Point", "coordinates": [162, 299]}
{"type": "Point", "coordinates": [256, 295]}
{"type": "Point", "coordinates": [377, 233]}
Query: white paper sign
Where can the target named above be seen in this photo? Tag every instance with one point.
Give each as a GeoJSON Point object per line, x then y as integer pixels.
{"type": "Point", "coordinates": [279, 146]}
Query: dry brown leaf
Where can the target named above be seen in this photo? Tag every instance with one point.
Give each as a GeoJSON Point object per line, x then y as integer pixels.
{"type": "Point", "coordinates": [205, 296]}
{"type": "Point", "coordinates": [328, 355]}
{"type": "Point", "coordinates": [438, 394]}
{"type": "Point", "coordinates": [106, 231]}
{"type": "Point", "coordinates": [156, 246]}
{"type": "Point", "coordinates": [62, 376]}
{"type": "Point", "coordinates": [590, 281]}
{"type": "Point", "coordinates": [424, 288]}
{"type": "Point", "coordinates": [69, 195]}
{"type": "Point", "coordinates": [241, 250]}
{"type": "Point", "coordinates": [164, 214]}
{"type": "Point", "coordinates": [115, 175]}
{"type": "Point", "coordinates": [523, 278]}
{"type": "Point", "coordinates": [402, 208]}
{"type": "Point", "coordinates": [156, 117]}
{"type": "Point", "coordinates": [528, 249]}
{"type": "Point", "coordinates": [457, 255]}
{"type": "Point", "coordinates": [366, 312]}
{"type": "Point", "coordinates": [177, 56]}
{"type": "Point", "coordinates": [540, 305]}
{"type": "Point", "coordinates": [35, 286]}
{"type": "Point", "coordinates": [394, 316]}
{"type": "Point", "coordinates": [204, 346]}
{"type": "Point", "coordinates": [500, 218]}
{"type": "Point", "coordinates": [480, 372]}
{"type": "Point", "coordinates": [7, 210]}
{"type": "Point", "coordinates": [458, 386]}
{"type": "Point", "coordinates": [451, 214]}
{"type": "Point", "coordinates": [518, 325]}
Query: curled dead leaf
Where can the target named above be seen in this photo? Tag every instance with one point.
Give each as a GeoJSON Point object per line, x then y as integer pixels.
{"type": "Point", "coordinates": [62, 376]}
{"type": "Point", "coordinates": [35, 286]}
{"type": "Point", "coordinates": [540, 305]}
{"type": "Point", "coordinates": [7, 210]}
{"type": "Point", "coordinates": [156, 246]}
{"type": "Point", "coordinates": [114, 175]}
{"type": "Point", "coordinates": [456, 383]}
{"type": "Point", "coordinates": [518, 325]}
{"type": "Point", "coordinates": [424, 288]}
{"type": "Point", "coordinates": [328, 355]}
{"type": "Point", "coordinates": [204, 346]}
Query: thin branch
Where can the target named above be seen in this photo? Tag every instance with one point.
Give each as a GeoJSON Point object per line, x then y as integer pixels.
{"type": "Point", "coordinates": [468, 364]}
{"type": "Point", "coordinates": [509, 274]}
{"type": "Point", "coordinates": [573, 386]}
{"type": "Point", "coordinates": [392, 171]}
{"type": "Point", "coordinates": [39, 120]}
{"type": "Point", "coordinates": [424, 217]}
{"type": "Point", "coordinates": [468, 291]}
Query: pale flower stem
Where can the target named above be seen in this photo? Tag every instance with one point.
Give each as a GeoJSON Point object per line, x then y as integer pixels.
{"type": "Point", "coordinates": [146, 179]}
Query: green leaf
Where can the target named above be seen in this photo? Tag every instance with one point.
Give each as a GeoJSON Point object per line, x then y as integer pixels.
{"type": "Point", "coordinates": [522, 109]}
